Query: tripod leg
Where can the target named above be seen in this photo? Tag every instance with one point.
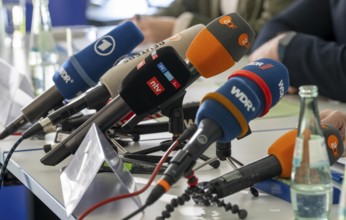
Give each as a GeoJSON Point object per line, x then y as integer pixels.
{"type": "Point", "coordinates": [209, 161]}
{"type": "Point", "coordinates": [214, 163]}
{"type": "Point", "coordinates": [230, 161]}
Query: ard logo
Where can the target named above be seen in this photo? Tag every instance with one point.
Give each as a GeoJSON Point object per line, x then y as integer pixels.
{"type": "Point", "coordinates": [105, 45]}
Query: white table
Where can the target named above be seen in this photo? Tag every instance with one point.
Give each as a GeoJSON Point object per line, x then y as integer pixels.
{"type": "Point", "coordinates": [44, 181]}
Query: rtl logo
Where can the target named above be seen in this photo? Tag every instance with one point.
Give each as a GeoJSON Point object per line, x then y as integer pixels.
{"type": "Point", "coordinates": [155, 86]}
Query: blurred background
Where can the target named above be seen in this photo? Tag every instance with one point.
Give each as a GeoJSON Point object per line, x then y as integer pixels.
{"type": "Point", "coordinates": [95, 12]}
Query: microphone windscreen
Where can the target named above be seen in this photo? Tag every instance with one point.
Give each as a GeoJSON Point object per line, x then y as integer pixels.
{"type": "Point", "coordinates": [283, 148]}
{"type": "Point", "coordinates": [222, 43]}
{"type": "Point", "coordinates": [156, 79]}
{"type": "Point", "coordinates": [115, 75]}
{"type": "Point", "coordinates": [84, 69]}
{"type": "Point", "coordinates": [270, 77]}
{"type": "Point", "coordinates": [246, 95]}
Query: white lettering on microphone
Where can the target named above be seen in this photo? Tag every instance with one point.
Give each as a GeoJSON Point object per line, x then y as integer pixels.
{"type": "Point", "coordinates": [188, 122]}
{"type": "Point", "coordinates": [148, 50]}
{"type": "Point", "coordinates": [64, 75]}
{"type": "Point", "coordinates": [155, 86]}
{"type": "Point", "coordinates": [281, 88]}
{"type": "Point", "coordinates": [242, 97]}
{"type": "Point", "coordinates": [256, 63]}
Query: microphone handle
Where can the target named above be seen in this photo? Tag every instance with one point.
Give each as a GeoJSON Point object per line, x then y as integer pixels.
{"type": "Point", "coordinates": [41, 105]}
{"type": "Point", "coordinates": [104, 119]}
{"type": "Point", "coordinates": [245, 176]}
{"type": "Point", "coordinates": [91, 100]}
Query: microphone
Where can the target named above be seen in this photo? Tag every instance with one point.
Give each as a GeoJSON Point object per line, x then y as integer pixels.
{"type": "Point", "coordinates": [111, 80]}
{"type": "Point", "coordinates": [139, 104]}
{"type": "Point", "coordinates": [180, 42]}
{"type": "Point", "coordinates": [80, 72]}
{"type": "Point", "coordinates": [277, 164]}
{"type": "Point", "coordinates": [224, 115]}
{"type": "Point", "coordinates": [163, 75]}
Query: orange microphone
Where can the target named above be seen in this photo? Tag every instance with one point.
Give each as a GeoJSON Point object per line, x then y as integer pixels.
{"type": "Point", "coordinates": [219, 45]}
{"type": "Point", "coordinates": [277, 164]}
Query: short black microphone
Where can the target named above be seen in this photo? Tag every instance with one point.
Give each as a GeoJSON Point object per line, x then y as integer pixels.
{"type": "Point", "coordinates": [80, 72]}
{"type": "Point", "coordinates": [277, 164]}
{"type": "Point", "coordinates": [224, 115]}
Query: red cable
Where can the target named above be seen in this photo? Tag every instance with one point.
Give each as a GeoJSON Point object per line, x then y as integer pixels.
{"type": "Point", "coordinates": [151, 179]}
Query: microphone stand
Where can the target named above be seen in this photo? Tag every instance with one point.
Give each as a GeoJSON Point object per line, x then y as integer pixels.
{"type": "Point", "coordinates": [175, 126]}
{"type": "Point", "coordinates": [131, 129]}
{"type": "Point", "coordinates": [224, 152]}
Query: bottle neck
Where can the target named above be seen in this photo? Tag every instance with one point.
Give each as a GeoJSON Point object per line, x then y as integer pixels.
{"type": "Point", "coordinates": [41, 20]}
{"type": "Point", "coordinates": [309, 114]}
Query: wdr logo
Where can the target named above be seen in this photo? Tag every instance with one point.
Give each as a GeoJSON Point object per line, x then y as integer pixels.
{"type": "Point", "coordinates": [105, 45]}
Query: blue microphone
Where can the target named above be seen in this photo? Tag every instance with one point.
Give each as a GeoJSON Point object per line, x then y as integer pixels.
{"type": "Point", "coordinates": [225, 113]}
{"type": "Point", "coordinates": [84, 69]}
{"type": "Point", "coordinates": [80, 72]}
{"type": "Point", "coordinates": [249, 93]}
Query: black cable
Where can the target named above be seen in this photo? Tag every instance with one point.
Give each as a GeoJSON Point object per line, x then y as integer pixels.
{"type": "Point", "coordinates": [202, 196]}
{"type": "Point", "coordinates": [8, 157]}
{"type": "Point", "coordinates": [135, 212]}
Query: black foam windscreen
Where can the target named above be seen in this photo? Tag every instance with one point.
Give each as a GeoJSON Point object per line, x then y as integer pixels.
{"type": "Point", "coordinates": [156, 79]}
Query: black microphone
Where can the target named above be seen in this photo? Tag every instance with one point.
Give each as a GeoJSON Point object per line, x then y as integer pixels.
{"type": "Point", "coordinates": [221, 51]}
{"type": "Point", "coordinates": [224, 115]}
{"type": "Point", "coordinates": [80, 72]}
{"type": "Point", "coordinates": [159, 77]}
{"type": "Point", "coordinates": [277, 164]}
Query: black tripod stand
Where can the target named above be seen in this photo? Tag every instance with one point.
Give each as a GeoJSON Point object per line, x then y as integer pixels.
{"type": "Point", "coordinates": [224, 152]}
{"type": "Point", "coordinates": [175, 126]}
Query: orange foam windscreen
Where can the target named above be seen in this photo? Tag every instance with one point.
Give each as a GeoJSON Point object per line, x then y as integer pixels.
{"type": "Point", "coordinates": [208, 55]}
{"type": "Point", "coordinates": [283, 149]}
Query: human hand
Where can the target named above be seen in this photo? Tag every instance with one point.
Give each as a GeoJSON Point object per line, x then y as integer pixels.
{"type": "Point", "coordinates": [154, 29]}
{"type": "Point", "coordinates": [270, 50]}
{"type": "Point", "coordinates": [337, 119]}
{"type": "Point", "coordinates": [267, 50]}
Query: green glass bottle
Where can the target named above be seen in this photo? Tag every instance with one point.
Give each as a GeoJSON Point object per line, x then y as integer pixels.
{"type": "Point", "coordinates": [43, 57]}
{"type": "Point", "coordinates": [311, 182]}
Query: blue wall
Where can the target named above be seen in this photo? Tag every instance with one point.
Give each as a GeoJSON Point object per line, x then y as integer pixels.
{"type": "Point", "coordinates": [15, 203]}
{"type": "Point", "coordinates": [62, 12]}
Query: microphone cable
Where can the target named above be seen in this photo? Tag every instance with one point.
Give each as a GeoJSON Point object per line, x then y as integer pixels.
{"type": "Point", "coordinates": [189, 131]}
{"type": "Point", "coordinates": [7, 160]}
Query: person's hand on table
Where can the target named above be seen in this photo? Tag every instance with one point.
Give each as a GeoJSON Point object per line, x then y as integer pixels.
{"type": "Point", "coordinates": [337, 119]}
